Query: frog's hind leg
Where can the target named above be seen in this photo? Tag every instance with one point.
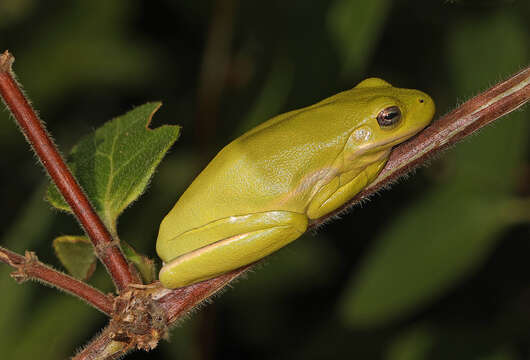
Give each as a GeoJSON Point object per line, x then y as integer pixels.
{"type": "Point", "coordinates": [242, 248]}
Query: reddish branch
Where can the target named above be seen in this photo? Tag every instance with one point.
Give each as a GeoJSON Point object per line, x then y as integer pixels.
{"type": "Point", "coordinates": [127, 330]}
{"type": "Point", "coordinates": [29, 267]}
{"type": "Point", "coordinates": [179, 302]}
{"type": "Point", "coordinates": [36, 134]}
{"type": "Point", "coordinates": [103, 347]}
{"type": "Point", "coordinates": [476, 113]}
{"type": "Point", "coordinates": [171, 305]}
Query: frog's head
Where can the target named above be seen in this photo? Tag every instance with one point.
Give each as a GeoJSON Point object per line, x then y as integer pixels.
{"type": "Point", "coordinates": [390, 116]}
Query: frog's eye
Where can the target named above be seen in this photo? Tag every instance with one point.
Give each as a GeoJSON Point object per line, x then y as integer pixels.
{"type": "Point", "coordinates": [389, 116]}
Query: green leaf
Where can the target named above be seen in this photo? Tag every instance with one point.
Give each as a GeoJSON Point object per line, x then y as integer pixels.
{"type": "Point", "coordinates": [114, 164]}
{"type": "Point", "coordinates": [77, 255]}
{"type": "Point", "coordinates": [145, 266]}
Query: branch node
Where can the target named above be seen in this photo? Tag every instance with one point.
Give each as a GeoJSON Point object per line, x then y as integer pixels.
{"type": "Point", "coordinates": [23, 272]}
{"type": "Point", "coordinates": [138, 320]}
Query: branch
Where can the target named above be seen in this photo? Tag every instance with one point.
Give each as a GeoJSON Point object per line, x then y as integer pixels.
{"type": "Point", "coordinates": [473, 115]}
{"type": "Point", "coordinates": [178, 303]}
{"type": "Point", "coordinates": [142, 317]}
{"type": "Point", "coordinates": [103, 347]}
{"type": "Point", "coordinates": [29, 267]}
{"type": "Point", "coordinates": [35, 133]}
{"type": "Point", "coordinates": [460, 123]}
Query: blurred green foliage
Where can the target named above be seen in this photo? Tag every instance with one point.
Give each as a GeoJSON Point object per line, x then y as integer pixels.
{"type": "Point", "coordinates": [436, 268]}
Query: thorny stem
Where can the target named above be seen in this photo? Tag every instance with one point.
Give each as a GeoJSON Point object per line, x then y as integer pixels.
{"type": "Point", "coordinates": [107, 250]}
{"type": "Point", "coordinates": [29, 267]}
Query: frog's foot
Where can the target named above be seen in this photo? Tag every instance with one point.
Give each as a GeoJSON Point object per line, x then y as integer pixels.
{"type": "Point", "coordinates": [240, 245]}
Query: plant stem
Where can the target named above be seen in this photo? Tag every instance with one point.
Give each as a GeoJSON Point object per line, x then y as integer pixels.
{"type": "Point", "coordinates": [29, 267]}
{"type": "Point", "coordinates": [446, 131]}
{"type": "Point", "coordinates": [103, 347]}
{"type": "Point", "coordinates": [175, 304]}
{"type": "Point", "coordinates": [178, 302]}
{"type": "Point", "coordinates": [476, 113]}
{"type": "Point", "coordinates": [107, 250]}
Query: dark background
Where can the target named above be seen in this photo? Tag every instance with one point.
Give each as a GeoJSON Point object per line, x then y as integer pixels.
{"type": "Point", "coordinates": [436, 268]}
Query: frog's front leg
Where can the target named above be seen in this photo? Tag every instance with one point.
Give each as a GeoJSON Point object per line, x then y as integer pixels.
{"type": "Point", "coordinates": [241, 240]}
{"type": "Point", "coordinates": [343, 188]}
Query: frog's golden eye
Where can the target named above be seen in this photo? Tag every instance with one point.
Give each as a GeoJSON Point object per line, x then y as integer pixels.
{"type": "Point", "coordinates": [389, 116]}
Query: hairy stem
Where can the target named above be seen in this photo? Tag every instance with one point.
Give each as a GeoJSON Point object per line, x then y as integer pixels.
{"type": "Point", "coordinates": [30, 268]}
{"type": "Point", "coordinates": [174, 304]}
{"type": "Point", "coordinates": [460, 123]}
{"type": "Point", "coordinates": [116, 340]}
{"type": "Point", "coordinates": [476, 113]}
{"type": "Point", "coordinates": [103, 347]}
{"type": "Point", "coordinates": [34, 131]}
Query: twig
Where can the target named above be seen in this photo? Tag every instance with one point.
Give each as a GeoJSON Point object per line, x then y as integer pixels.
{"type": "Point", "coordinates": [476, 113]}
{"type": "Point", "coordinates": [171, 305]}
{"type": "Point", "coordinates": [29, 267]}
{"type": "Point", "coordinates": [103, 346]}
{"type": "Point", "coordinates": [179, 302]}
{"type": "Point", "coordinates": [35, 133]}
{"type": "Point", "coordinates": [174, 304]}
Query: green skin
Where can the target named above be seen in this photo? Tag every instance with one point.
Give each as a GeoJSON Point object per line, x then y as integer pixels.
{"type": "Point", "coordinates": [259, 193]}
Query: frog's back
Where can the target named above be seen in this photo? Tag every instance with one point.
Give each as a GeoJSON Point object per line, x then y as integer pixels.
{"type": "Point", "coordinates": [272, 167]}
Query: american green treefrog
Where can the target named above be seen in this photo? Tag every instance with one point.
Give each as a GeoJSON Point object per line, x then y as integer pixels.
{"type": "Point", "coordinates": [260, 191]}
